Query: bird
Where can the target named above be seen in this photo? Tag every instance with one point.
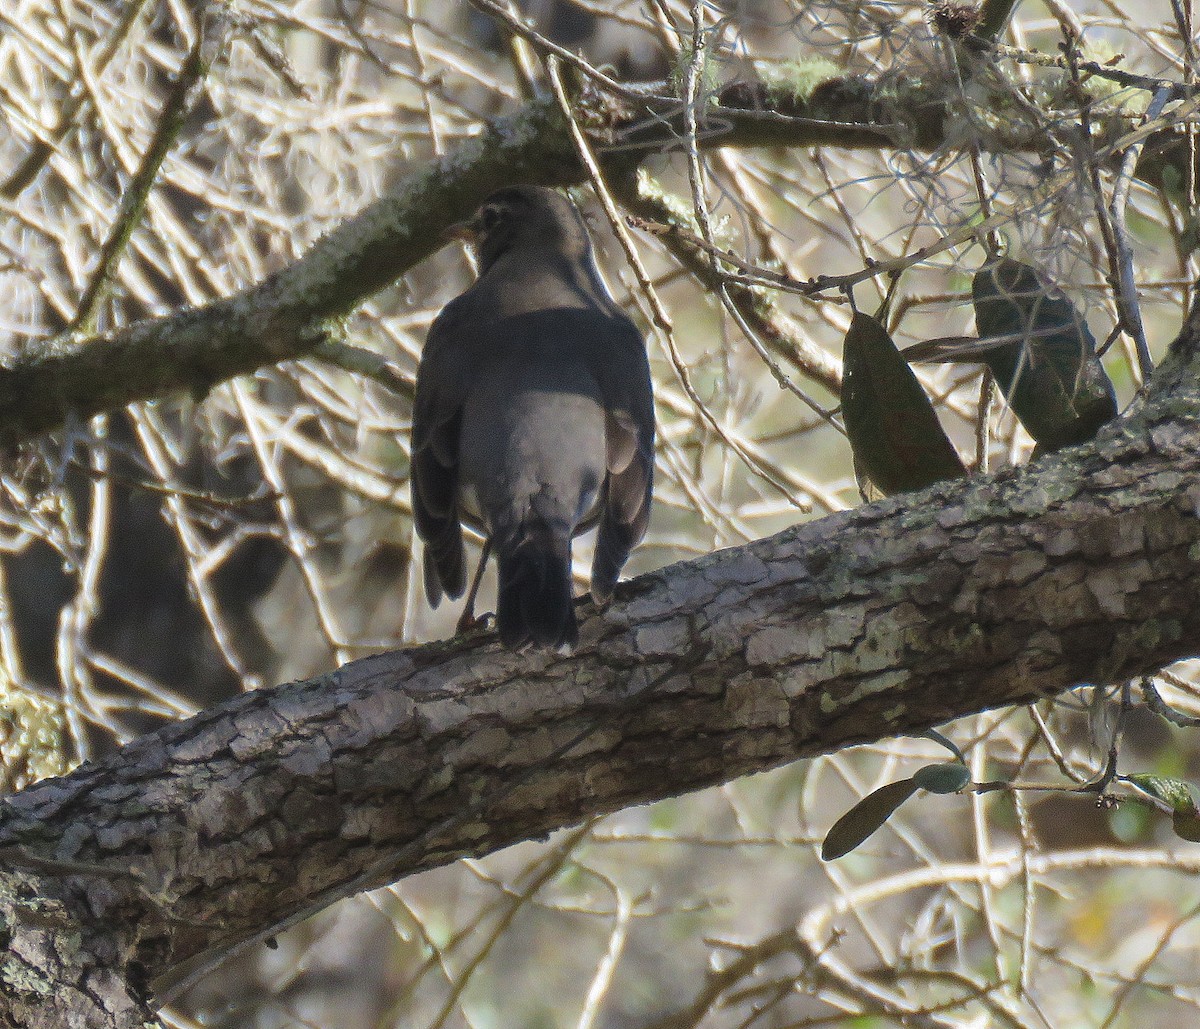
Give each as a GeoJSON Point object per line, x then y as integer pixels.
{"type": "Point", "coordinates": [1040, 350]}
{"type": "Point", "coordinates": [533, 421]}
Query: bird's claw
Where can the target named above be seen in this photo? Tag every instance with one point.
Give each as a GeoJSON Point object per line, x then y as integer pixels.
{"type": "Point", "coordinates": [469, 622]}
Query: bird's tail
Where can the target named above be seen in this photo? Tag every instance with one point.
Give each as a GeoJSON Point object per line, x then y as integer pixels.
{"type": "Point", "coordinates": [535, 604]}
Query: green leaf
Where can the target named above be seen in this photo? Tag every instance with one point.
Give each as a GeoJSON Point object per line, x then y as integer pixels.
{"type": "Point", "coordinates": [1187, 827]}
{"type": "Point", "coordinates": [864, 818]}
{"type": "Point", "coordinates": [894, 432]}
{"type": "Point", "coordinates": [1189, 236]}
{"type": "Point", "coordinates": [946, 777]}
{"type": "Point", "coordinates": [1176, 793]}
{"type": "Point", "coordinates": [1051, 375]}
{"type": "Point", "coordinates": [1040, 351]}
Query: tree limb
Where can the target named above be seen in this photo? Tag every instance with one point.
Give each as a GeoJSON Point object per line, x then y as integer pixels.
{"type": "Point", "coordinates": [1083, 567]}
{"type": "Point", "coordinates": [287, 315]}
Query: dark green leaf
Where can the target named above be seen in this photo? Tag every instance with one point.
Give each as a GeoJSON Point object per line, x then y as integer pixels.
{"type": "Point", "coordinates": [894, 432]}
{"type": "Point", "coordinates": [864, 818]}
{"type": "Point", "coordinates": [1051, 376]}
{"type": "Point", "coordinates": [1187, 827]}
{"type": "Point", "coordinates": [1040, 351]}
{"type": "Point", "coordinates": [1173, 792]}
{"type": "Point", "coordinates": [1189, 237]}
{"type": "Point", "coordinates": [946, 777]}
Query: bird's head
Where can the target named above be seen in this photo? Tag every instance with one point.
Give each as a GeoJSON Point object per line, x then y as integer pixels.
{"type": "Point", "coordinates": [532, 219]}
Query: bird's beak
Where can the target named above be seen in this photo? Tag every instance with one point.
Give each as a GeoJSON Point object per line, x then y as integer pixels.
{"type": "Point", "coordinates": [463, 232]}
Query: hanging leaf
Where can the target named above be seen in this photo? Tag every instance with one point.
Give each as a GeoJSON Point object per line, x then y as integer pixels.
{"type": "Point", "coordinates": [897, 440]}
{"type": "Point", "coordinates": [857, 824]}
{"type": "Point", "coordinates": [1187, 827]}
{"type": "Point", "coordinates": [870, 492]}
{"type": "Point", "coordinates": [1175, 793]}
{"type": "Point", "coordinates": [1040, 351]}
{"type": "Point", "coordinates": [945, 777]}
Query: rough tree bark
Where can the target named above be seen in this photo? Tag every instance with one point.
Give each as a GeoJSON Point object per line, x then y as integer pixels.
{"type": "Point", "coordinates": [885, 620]}
{"type": "Point", "coordinates": [1082, 567]}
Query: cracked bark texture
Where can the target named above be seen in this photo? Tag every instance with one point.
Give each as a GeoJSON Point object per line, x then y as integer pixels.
{"type": "Point", "coordinates": [1083, 567]}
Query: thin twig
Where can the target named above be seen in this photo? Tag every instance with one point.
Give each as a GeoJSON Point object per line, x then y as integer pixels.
{"type": "Point", "coordinates": [1127, 284]}
{"type": "Point", "coordinates": [1176, 90]}
{"type": "Point", "coordinates": [182, 96]}
{"type": "Point", "coordinates": [44, 147]}
{"type": "Point", "coordinates": [1160, 707]}
{"type": "Point", "coordinates": [662, 319]}
{"type": "Point", "coordinates": [548, 48]}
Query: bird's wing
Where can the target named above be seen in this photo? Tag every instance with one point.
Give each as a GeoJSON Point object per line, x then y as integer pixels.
{"type": "Point", "coordinates": [623, 372]}
{"type": "Point", "coordinates": [442, 383]}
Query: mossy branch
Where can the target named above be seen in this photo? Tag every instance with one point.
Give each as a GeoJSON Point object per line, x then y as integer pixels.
{"type": "Point", "coordinates": [286, 315]}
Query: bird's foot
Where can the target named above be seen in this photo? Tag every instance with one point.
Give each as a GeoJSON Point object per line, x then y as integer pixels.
{"type": "Point", "coordinates": [469, 622]}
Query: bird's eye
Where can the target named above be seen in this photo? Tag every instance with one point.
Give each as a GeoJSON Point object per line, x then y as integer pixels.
{"type": "Point", "coordinates": [490, 217]}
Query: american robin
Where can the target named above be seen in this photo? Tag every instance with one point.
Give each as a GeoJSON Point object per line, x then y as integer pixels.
{"type": "Point", "coordinates": [533, 421]}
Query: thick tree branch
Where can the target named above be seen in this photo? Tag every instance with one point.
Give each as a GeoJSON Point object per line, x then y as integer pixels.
{"type": "Point", "coordinates": [1083, 567]}
{"type": "Point", "coordinates": [287, 315]}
